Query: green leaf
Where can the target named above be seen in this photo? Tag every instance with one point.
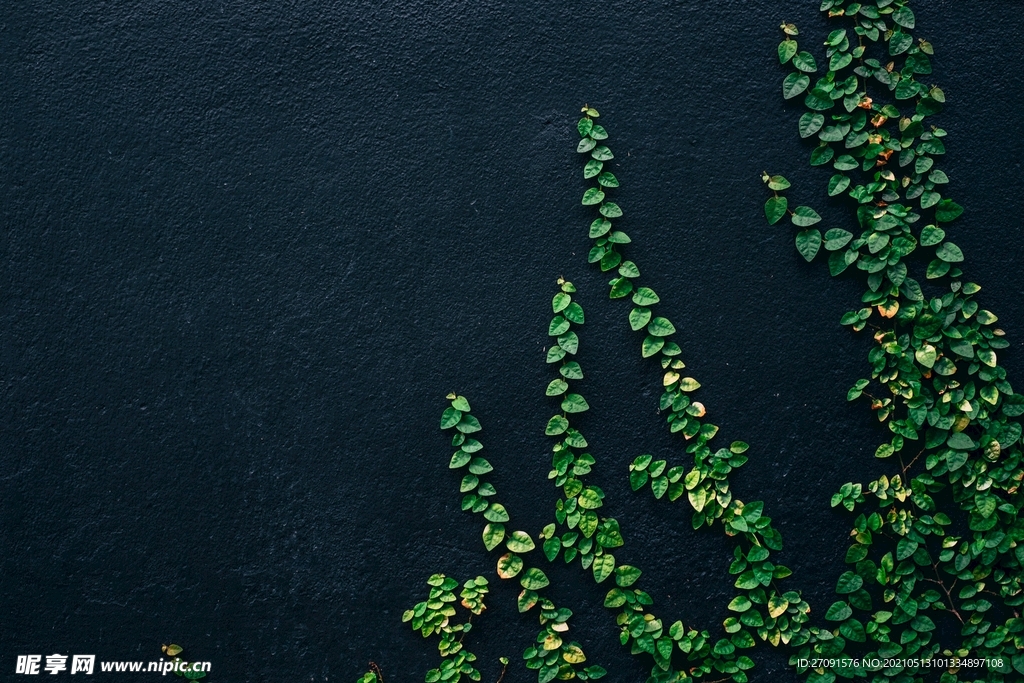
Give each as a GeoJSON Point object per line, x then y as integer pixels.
{"type": "Point", "coordinates": [450, 417]}
{"type": "Point", "coordinates": [584, 127]}
{"type": "Point", "coordinates": [608, 179]}
{"type": "Point", "coordinates": [821, 155]}
{"type": "Point", "coordinates": [574, 403]}
{"type": "Point", "coordinates": [626, 575]}
{"type": "Point", "coordinates": [961, 442]}
{"type": "Point", "coordinates": [810, 123]}
{"type": "Point", "coordinates": [592, 168]}
{"type": "Point", "coordinates": [926, 355]}
{"type": "Point", "coordinates": [775, 209]}
{"type": "Point", "coordinates": [947, 210]}
{"type": "Point", "coordinates": [837, 238]}
{"type": "Point", "coordinates": [837, 184]}
{"type": "Point", "coordinates": [610, 210]}
{"type": "Point", "coordinates": [839, 611]}
{"type": "Point", "coordinates": [807, 243]}
{"type": "Point", "coordinates": [593, 196]}
{"type": "Point", "coordinates": [652, 345]}
{"type": "Point", "coordinates": [848, 582]}
{"type": "Point", "coordinates": [818, 100]}
{"type": "Point", "coordinates": [777, 183]}
{"type": "Point", "coordinates": [661, 327]}
{"type": "Point", "coordinates": [519, 542]}
{"type": "Point", "coordinates": [602, 153]}
{"type": "Point", "coordinates": [904, 16]}
{"type": "Point", "coordinates": [794, 84]}
{"type": "Point", "coordinates": [585, 145]}
{"type": "Point", "coordinates": [574, 313]}
{"type": "Point", "coordinates": [556, 425]}
{"type": "Point", "coordinates": [495, 512]}
{"type": "Point", "coordinates": [468, 424]}
{"type": "Point", "coordinates": [639, 317]}
{"type": "Point", "coordinates": [936, 269]}
{"type": "Point", "coordinates": [740, 603]}
{"type": "Point", "coordinates": [590, 499]}
{"type": "Point", "coordinates": [459, 459]}
{"type": "Point", "coordinates": [493, 535]}
{"type": "Point", "coordinates": [837, 263]}
{"type": "Point", "coordinates": [787, 49]}
{"type": "Point", "coordinates": [558, 325]}
{"type": "Point", "coordinates": [569, 341]}
{"type": "Point", "coordinates": [603, 567]}
{"type": "Point", "coordinates": [571, 370]}
{"type": "Point", "coordinates": [931, 235]}
{"type": "Point", "coordinates": [805, 216]}
{"type": "Point", "coordinates": [805, 62]}
{"type": "Point", "coordinates": [645, 296]}
{"type": "Point", "coordinates": [900, 42]}
{"type": "Point", "coordinates": [557, 387]}
{"type": "Point", "coordinates": [950, 253]}
{"type": "Point", "coordinates": [845, 162]}
{"type": "Point", "coordinates": [986, 317]}
{"type": "Point", "coordinates": [599, 227]}
{"type": "Point", "coordinates": [551, 548]}
{"type": "Point", "coordinates": [534, 579]}
{"type": "Point", "coordinates": [460, 403]}
{"type": "Point", "coordinates": [629, 269]}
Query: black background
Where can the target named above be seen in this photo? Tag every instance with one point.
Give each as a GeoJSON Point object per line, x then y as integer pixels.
{"type": "Point", "coordinates": [248, 247]}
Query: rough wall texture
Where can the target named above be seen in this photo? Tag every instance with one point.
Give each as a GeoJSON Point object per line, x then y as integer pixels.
{"type": "Point", "coordinates": [247, 247]}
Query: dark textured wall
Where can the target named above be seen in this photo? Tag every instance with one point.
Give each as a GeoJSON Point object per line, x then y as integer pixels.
{"type": "Point", "coordinates": [247, 248]}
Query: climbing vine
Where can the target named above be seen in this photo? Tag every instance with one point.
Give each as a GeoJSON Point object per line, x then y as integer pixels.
{"type": "Point", "coordinates": [935, 543]}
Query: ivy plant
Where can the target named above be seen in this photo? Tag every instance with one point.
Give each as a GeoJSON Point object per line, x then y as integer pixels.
{"type": "Point", "coordinates": [935, 544]}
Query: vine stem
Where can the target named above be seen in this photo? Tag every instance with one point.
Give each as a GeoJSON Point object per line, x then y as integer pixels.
{"type": "Point", "coordinates": [949, 595]}
{"type": "Point", "coordinates": [906, 468]}
{"type": "Point", "coordinates": [503, 668]}
{"type": "Point", "coordinates": [468, 622]}
{"type": "Point", "coordinates": [376, 671]}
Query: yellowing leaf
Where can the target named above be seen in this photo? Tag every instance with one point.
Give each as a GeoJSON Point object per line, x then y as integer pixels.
{"type": "Point", "coordinates": [689, 384]}
{"type": "Point", "coordinates": [777, 605]}
{"type": "Point", "coordinates": [509, 565]}
{"type": "Point", "coordinates": [574, 655]}
{"type": "Point", "coordinates": [670, 377]}
{"type": "Point", "coordinates": [888, 309]}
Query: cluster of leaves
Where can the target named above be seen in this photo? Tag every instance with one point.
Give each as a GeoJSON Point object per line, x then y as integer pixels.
{"type": "Point", "coordinates": [554, 656]}
{"type": "Point", "coordinates": [935, 379]}
{"type": "Point", "coordinates": [579, 532]}
{"type": "Point", "coordinates": [773, 615]}
{"type": "Point", "coordinates": [949, 409]}
{"type": "Point", "coordinates": [434, 615]}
